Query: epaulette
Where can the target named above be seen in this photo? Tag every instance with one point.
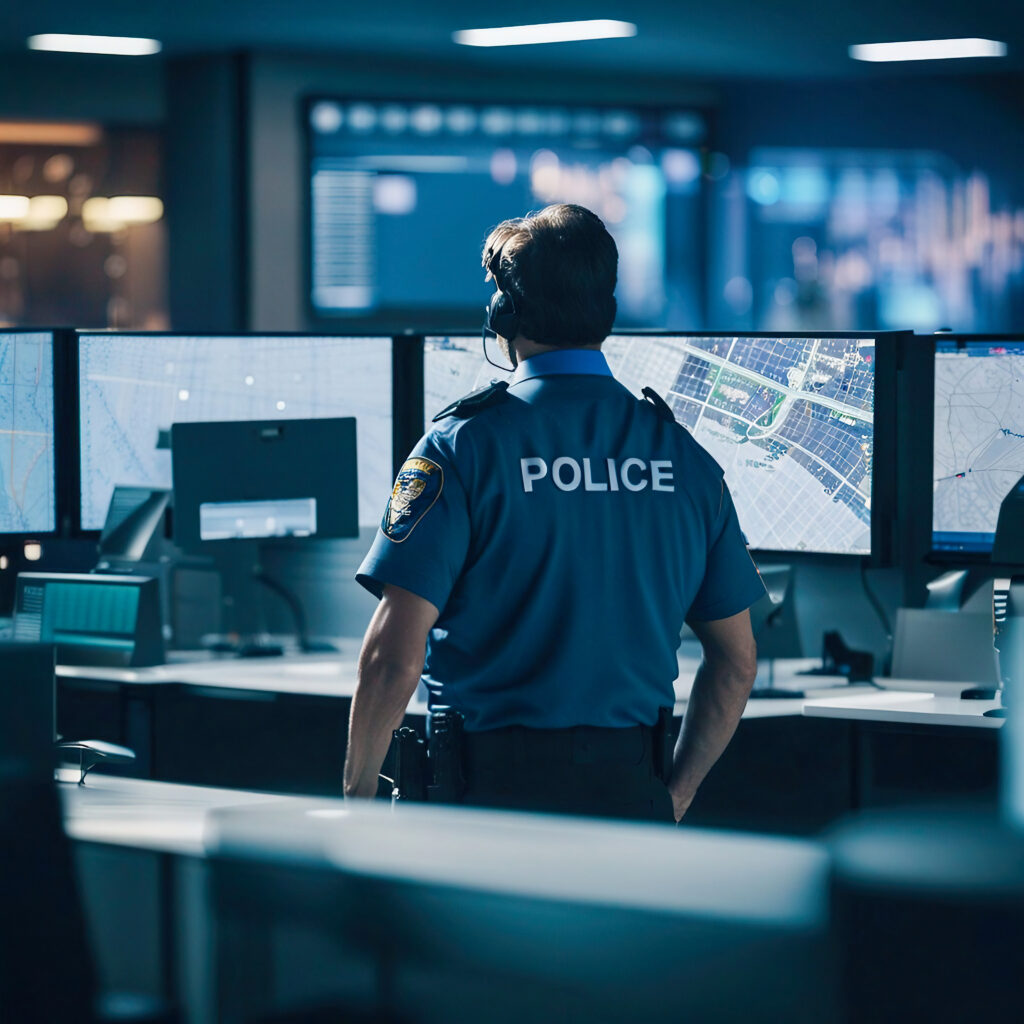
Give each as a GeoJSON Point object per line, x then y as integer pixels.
{"type": "Point", "coordinates": [660, 405]}
{"type": "Point", "coordinates": [476, 401]}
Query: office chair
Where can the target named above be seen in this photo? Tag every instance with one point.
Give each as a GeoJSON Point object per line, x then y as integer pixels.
{"type": "Point", "coordinates": [47, 972]}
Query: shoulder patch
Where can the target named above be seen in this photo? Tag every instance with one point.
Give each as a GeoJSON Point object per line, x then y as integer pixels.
{"type": "Point", "coordinates": [417, 487]}
{"type": "Point", "coordinates": [661, 407]}
{"type": "Point", "coordinates": [475, 401]}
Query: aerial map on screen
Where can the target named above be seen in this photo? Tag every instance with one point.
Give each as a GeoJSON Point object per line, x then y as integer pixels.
{"type": "Point", "coordinates": [979, 439]}
{"type": "Point", "coordinates": [134, 388]}
{"type": "Point", "coordinates": [790, 420]}
{"type": "Point", "coordinates": [27, 491]}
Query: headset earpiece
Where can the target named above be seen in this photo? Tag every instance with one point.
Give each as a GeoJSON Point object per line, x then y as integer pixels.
{"type": "Point", "coordinates": [502, 316]}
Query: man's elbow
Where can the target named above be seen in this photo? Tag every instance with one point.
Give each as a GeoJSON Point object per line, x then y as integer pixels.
{"type": "Point", "coordinates": [387, 665]}
{"type": "Point", "coordinates": [737, 665]}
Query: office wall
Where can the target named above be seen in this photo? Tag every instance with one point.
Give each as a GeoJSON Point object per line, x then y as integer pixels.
{"type": "Point", "coordinates": [276, 146]}
{"type": "Point", "coordinates": [64, 86]}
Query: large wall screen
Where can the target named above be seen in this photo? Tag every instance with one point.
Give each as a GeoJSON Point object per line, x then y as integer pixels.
{"type": "Point", "coordinates": [403, 195]}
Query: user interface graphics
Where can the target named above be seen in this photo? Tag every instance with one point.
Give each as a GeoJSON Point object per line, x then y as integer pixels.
{"type": "Point", "coordinates": [978, 439]}
{"type": "Point", "coordinates": [27, 486]}
{"type": "Point", "coordinates": [385, 174]}
{"type": "Point", "coordinates": [132, 389]}
{"type": "Point", "coordinates": [453, 366]}
{"type": "Point", "coordinates": [790, 420]}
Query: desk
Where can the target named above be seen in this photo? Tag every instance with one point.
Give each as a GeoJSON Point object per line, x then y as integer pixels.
{"type": "Point", "coordinates": [907, 708]}
{"type": "Point", "coordinates": [139, 848]}
{"type": "Point", "coordinates": [278, 724]}
{"type": "Point", "coordinates": [437, 908]}
{"type": "Point", "coordinates": [913, 747]}
{"type": "Point", "coordinates": [281, 725]}
{"type": "Point", "coordinates": [442, 914]}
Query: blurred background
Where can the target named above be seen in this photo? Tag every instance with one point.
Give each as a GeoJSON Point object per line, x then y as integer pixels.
{"type": "Point", "coordinates": [323, 166]}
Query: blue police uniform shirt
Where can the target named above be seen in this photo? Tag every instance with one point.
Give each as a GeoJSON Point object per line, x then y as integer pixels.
{"type": "Point", "coordinates": [563, 534]}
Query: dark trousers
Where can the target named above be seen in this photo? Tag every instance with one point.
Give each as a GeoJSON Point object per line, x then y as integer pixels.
{"type": "Point", "coordinates": [602, 773]}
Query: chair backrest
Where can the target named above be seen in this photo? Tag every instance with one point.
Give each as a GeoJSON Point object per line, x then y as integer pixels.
{"type": "Point", "coordinates": [46, 972]}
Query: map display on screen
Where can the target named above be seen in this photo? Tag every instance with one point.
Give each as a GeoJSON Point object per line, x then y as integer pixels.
{"type": "Point", "coordinates": [27, 485]}
{"type": "Point", "coordinates": [133, 388]}
{"type": "Point", "coordinates": [978, 439]}
{"type": "Point", "coordinates": [790, 420]}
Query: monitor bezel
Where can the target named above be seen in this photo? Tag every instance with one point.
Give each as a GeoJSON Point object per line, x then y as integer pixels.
{"type": "Point", "coordinates": [889, 359]}
{"type": "Point", "coordinates": [61, 440]}
{"type": "Point", "coordinates": [934, 555]}
{"type": "Point", "coordinates": [391, 320]}
{"type": "Point", "coordinates": [400, 369]}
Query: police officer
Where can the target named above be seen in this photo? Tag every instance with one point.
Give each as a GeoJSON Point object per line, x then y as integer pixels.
{"type": "Point", "coordinates": [541, 549]}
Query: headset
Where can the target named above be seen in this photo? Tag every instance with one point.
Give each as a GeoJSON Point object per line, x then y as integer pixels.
{"type": "Point", "coordinates": [501, 317]}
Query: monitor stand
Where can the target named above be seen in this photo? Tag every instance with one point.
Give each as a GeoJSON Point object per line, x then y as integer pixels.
{"type": "Point", "coordinates": [242, 569]}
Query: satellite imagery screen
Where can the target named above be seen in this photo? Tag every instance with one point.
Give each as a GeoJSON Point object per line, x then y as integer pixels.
{"type": "Point", "coordinates": [133, 388]}
{"type": "Point", "coordinates": [978, 439]}
{"type": "Point", "coordinates": [27, 486]}
{"type": "Point", "coordinates": [790, 420]}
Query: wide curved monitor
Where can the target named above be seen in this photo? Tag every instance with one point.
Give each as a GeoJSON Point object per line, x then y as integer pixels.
{"type": "Point", "coordinates": [789, 419]}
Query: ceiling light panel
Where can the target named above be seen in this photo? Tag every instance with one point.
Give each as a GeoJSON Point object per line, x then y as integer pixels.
{"type": "Point", "coordinates": [555, 32]}
{"type": "Point", "coordinates": [119, 46]}
{"type": "Point", "coordinates": [928, 49]}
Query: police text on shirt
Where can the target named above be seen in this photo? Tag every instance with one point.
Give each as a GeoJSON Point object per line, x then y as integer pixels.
{"type": "Point", "coordinates": [568, 474]}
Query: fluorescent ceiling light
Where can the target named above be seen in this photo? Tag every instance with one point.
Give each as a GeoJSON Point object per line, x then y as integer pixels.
{"type": "Point", "coordinates": [120, 46]}
{"type": "Point", "coordinates": [556, 32]}
{"type": "Point", "coordinates": [928, 49]}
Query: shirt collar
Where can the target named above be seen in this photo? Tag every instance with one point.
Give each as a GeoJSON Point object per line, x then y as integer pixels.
{"type": "Point", "coordinates": [562, 361]}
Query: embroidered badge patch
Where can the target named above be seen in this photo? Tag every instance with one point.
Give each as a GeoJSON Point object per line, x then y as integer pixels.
{"type": "Point", "coordinates": [417, 487]}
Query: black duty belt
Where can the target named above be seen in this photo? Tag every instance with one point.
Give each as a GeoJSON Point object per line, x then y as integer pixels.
{"type": "Point", "coordinates": [581, 744]}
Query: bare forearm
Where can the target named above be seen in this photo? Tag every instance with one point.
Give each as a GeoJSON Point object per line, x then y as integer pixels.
{"type": "Point", "coordinates": [379, 703]}
{"type": "Point", "coordinates": [719, 695]}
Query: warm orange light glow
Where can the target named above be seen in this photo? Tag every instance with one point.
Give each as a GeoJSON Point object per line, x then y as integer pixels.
{"type": "Point", "coordinates": [100, 214]}
{"type": "Point", "coordinates": [51, 133]}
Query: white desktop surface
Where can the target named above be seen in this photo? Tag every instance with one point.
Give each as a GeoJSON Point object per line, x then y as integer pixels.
{"type": "Point", "coordinates": [907, 707]}
{"type": "Point", "coordinates": [334, 675]}
{"type": "Point", "coordinates": [703, 872]}
{"type": "Point", "coordinates": [160, 816]}
{"type": "Point", "coordinates": [692, 870]}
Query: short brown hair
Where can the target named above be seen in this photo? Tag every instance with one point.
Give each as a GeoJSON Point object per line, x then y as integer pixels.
{"type": "Point", "coordinates": [559, 266]}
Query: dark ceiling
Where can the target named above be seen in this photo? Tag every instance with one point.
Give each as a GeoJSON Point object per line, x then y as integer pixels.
{"type": "Point", "coordinates": [713, 39]}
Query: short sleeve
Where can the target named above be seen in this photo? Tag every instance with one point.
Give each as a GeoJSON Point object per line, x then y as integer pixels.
{"type": "Point", "coordinates": [424, 534]}
{"type": "Point", "coordinates": [731, 581]}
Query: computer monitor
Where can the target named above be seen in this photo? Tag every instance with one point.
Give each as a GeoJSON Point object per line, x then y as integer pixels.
{"type": "Point", "coordinates": [134, 521]}
{"type": "Point", "coordinates": [789, 419]}
{"type": "Point", "coordinates": [287, 478]}
{"type": "Point", "coordinates": [134, 388]}
{"type": "Point", "coordinates": [978, 448]}
{"type": "Point", "coordinates": [92, 620]}
{"type": "Point", "coordinates": [453, 366]}
{"type": "Point", "coordinates": [28, 503]}
{"type": "Point", "coordinates": [401, 195]}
